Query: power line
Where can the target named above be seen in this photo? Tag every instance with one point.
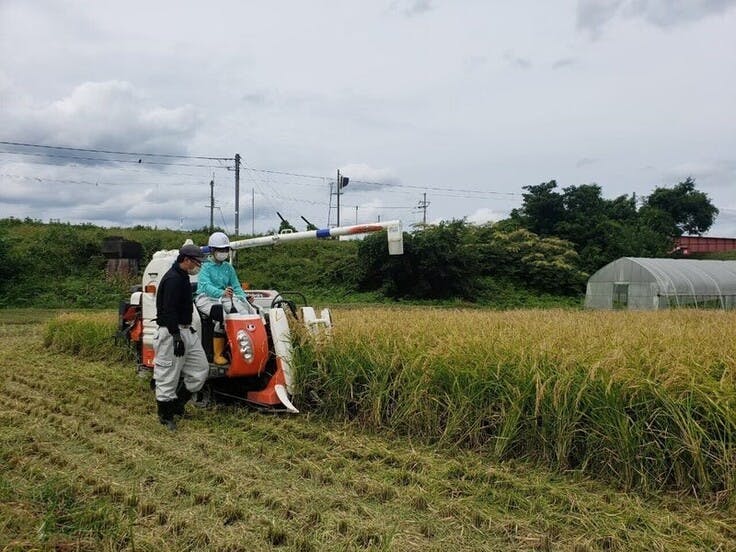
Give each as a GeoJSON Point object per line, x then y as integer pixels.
{"type": "Point", "coordinates": [324, 179]}
{"type": "Point", "coordinates": [435, 188]}
{"type": "Point", "coordinates": [99, 159]}
{"type": "Point", "coordinates": [23, 144]}
{"type": "Point", "coordinates": [384, 184]}
{"type": "Point", "coordinates": [269, 171]}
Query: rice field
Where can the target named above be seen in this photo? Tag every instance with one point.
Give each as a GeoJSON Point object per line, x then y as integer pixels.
{"type": "Point", "coordinates": [644, 400]}
{"type": "Point", "coordinates": [421, 430]}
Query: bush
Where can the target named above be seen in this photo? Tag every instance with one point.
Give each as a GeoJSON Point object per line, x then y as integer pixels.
{"type": "Point", "coordinates": [451, 260]}
{"type": "Point", "coordinates": [61, 265]}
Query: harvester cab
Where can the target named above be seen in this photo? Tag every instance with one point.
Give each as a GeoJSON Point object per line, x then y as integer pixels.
{"type": "Point", "coordinates": [258, 350]}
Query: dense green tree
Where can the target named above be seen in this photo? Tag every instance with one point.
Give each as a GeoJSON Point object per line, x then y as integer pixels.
{"type": "Point", "coordinates": [455, 259]}
{"type": "Point", "coordinates": [434, 264]}
{"type": "Point", "coordinates": [690, 210]}
{"type": "Point", "coordinates": [602, 229]}
{"type": "Point", "coordinates": [544, 264]}
{"type": "Point", "coordinates": [543, 208]}
{"type": "Point", "coordinates": [393, 276]}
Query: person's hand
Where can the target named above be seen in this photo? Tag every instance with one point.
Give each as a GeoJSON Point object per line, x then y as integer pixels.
{"type": "Point", "coordinates": [178, 345]}
{"type": "Point", "coordinates": [228, 292]}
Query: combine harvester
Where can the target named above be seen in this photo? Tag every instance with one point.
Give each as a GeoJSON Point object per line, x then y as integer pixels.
{"type": "Point", "coordinates": [259, 346]}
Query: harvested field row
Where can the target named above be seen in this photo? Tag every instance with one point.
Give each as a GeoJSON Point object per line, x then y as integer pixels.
{"type": "Point", "coordinates": [85, 465]}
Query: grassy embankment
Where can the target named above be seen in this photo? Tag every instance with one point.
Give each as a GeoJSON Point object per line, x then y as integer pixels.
{"type": "Point", "coordinates": [85, 465]}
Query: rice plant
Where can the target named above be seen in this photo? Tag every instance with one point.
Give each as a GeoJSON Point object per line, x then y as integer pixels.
{"type": "Point", "coordinates": [85, 465]}
{"type": "Point", "coordinates": [91, 335]}
{"type": "Point", "coordinates": [643, 399]}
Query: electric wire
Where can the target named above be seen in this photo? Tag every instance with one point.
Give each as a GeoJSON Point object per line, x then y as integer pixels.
{"type": "Point", "coordinates": [171, 155]}
{"type": "Point", "coordinates": [42, 179]}
{"type": "Point", "coordinates": [457, 192]}
{"type": "Point", "coordinates": [102, 160]}
{"type": "Point", "coordinates": [436, 188]}
{"type": "Point", "coordinates": [267, 181]}
{"type": "Point", "coordinates": [386, 185]}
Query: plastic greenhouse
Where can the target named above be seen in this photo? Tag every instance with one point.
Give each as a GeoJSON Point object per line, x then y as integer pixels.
{"type": "Point", "coordinates": [648, 284]}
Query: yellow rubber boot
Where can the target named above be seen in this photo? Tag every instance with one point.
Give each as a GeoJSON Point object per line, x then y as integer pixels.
{"type": "Point", "coordinates": [218, 346]}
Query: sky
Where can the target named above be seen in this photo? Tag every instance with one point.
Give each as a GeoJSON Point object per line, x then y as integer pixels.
{"type": "Point", "coordinates": [434, 109]}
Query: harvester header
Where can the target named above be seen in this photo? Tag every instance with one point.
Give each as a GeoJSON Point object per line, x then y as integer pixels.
{"type": "Point", "coordinates": [395, 235]}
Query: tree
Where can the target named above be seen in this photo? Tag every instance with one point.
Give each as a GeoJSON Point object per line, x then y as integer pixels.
{"type": "Point", "coordinates": [544, 264]}
{"type": "Point", "coordinates": [542, 209]}
{"type": "Point", "coordinates": [435, 264]}
{"type": "Point", "coordinates": [690, 210]}
{"type": "Point", "coordinates": [603, 230]}
{"type": "Point", "coordinates": [456, 260]}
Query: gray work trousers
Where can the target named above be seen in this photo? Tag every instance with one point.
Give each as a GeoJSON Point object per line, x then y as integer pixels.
{"type": "Point", "coordinates": [205, 303]}
{"type": "Point", "coordinates": [167, 368]}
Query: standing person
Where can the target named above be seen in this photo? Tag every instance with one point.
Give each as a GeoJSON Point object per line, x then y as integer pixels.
{"type": "Point", "coordinates": [218, 288]}
{"type": "Point", "coordinates": [177, 347]}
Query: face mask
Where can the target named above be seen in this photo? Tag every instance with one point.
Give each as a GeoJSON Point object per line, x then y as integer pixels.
{"type": "Point", "coordinates": [221, 256]}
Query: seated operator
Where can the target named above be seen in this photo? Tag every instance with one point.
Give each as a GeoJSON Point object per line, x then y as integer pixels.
{"type": "Point", "coordinates": [218, 291]}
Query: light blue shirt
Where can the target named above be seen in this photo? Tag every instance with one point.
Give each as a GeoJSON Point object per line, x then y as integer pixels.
{"type": "Point", "coordinates": [214, 278]}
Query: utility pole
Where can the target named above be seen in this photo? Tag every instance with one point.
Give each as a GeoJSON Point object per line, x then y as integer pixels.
{"type": "Point", "coordinates": [253, 211]}
{"type": "Point", "coordinates": [423, 206]}
{"type": "Point", "coordinates": [338, 197]}
{"type": "Point", "coordinates": [356, 214]}
{"type": "Point", "coordinates": [212, 204]}
{"type": "Point", "coordinates": [237, 194]}
{"type": "Point", "coordinates": [342, 182]}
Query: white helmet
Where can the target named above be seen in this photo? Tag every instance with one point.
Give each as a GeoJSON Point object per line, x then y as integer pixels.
{"type": "Point", "coordinates": [219, 240]}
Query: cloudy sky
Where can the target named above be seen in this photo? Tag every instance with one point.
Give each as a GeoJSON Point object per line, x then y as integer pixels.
{"type": "Point", "coordinates": [466, 101]}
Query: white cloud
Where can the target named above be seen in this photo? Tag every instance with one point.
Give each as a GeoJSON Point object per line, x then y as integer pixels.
{"type": "Point", "coordinates": [593, 15]}
{"type": "Point", "coordinates": [411, 8]}
{"type": "Point", "coordinates": [718, 172]}
{"type": "Point", "coordinates": [516, 61]}
{"type": "Point", "coordinates": [364, 177]}
{"type": "Point", "coordinates": [665, 13]}
{"type": "Point", "coordinates": [484, 214]}
{"type": "Point", "coordinates": [112, 115]}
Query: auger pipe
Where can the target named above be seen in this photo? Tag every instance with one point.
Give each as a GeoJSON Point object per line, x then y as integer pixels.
{"type": "Point", "coordinates": [395, 235]}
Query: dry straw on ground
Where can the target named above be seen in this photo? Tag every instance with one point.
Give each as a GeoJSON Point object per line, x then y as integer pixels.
{"type": "Point", "coordinates": [84, 465]}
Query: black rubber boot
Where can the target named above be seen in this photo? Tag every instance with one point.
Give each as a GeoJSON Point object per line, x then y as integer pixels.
{"type": "Point", "coordinates": [182, 398]}
{"type": "Point", "coordinates": [166, 414]}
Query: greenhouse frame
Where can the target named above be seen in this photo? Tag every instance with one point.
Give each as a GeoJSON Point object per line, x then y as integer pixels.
{"type": "Point", "coordinates": [638, 283]}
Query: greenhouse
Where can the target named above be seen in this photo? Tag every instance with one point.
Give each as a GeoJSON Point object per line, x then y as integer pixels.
{"type": "Point", "coordinates": [649, 284]}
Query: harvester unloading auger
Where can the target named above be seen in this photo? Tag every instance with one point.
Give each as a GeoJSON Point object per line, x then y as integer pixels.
{"type": "Point", "coordinates": [259, 347]}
